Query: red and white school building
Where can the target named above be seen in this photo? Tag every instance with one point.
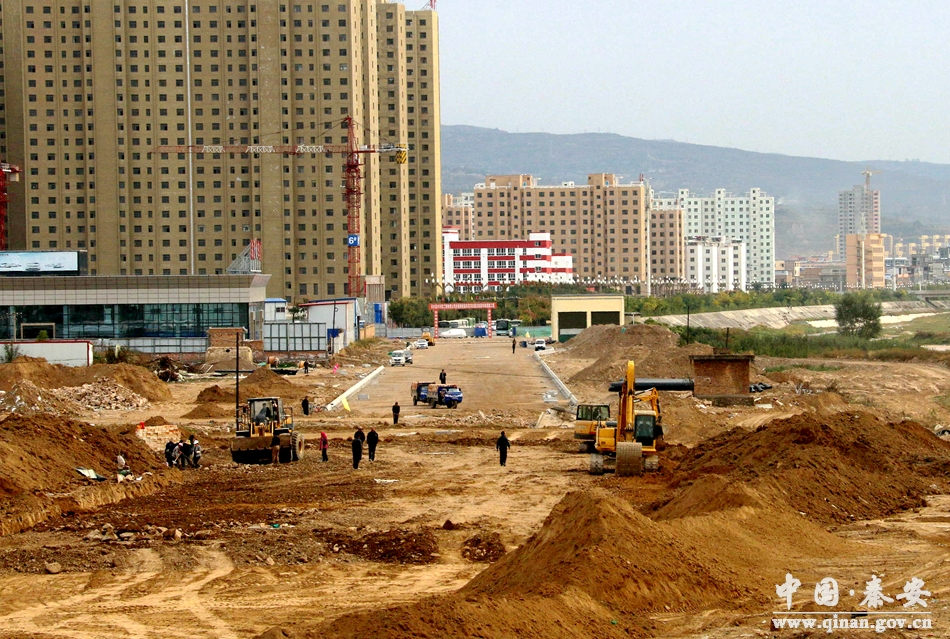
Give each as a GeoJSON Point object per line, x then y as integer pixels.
{"type": "Point", "coordinates": [471, 265]}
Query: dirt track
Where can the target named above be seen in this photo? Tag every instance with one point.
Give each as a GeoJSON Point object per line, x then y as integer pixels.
{"type": "Point", "coordinates": [322, 550]}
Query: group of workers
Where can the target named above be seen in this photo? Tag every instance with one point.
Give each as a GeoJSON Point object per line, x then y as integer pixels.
{"type": "Point", "coordinates": [183, 454]}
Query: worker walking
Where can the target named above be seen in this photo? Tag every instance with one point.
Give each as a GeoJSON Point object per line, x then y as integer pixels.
{"type": "Point", "coordinates": [324, 445]}
{"type": "Point", "coordinates": [514, 343]}
{"type": "Point", "coordinates": [306, 367]}
{"type": "Point", "coordinates": [372, 440]}
{"type": "Point", "coordinates": [357, 445]}
{"type": "Point", "coordinates": [502, 446]}
{"type": "Point", "coordinates": [305, 405]}
{"type": "Point", "coordinates": [275, 449]}
{"type": "Point", "coordinates": [442, 377]}
{"type": "Point", "coordinates": [395, 413]}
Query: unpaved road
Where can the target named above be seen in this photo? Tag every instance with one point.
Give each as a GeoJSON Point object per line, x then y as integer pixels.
{"type": "Point", "coordinates": [256, 561]}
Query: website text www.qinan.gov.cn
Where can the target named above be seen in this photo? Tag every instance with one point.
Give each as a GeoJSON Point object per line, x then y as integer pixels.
{"type": "Point", "coordinates": [875, 623]}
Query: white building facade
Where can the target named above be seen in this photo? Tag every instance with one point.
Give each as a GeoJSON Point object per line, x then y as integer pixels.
{"type": "Point", "coordinates": [473, 265]}
{"type": "Point", "coordinates": [716, 263]}
{"type": "Point", "coordinates": [749, 218]}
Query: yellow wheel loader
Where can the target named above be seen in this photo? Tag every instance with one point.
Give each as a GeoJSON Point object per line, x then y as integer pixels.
{"type": "Point", "coordinates": [629, 444]}
{"type": "Point", "coordinates": [258, 421]}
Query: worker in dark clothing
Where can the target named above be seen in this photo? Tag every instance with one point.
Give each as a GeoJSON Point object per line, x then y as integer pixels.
{"type": "Point", "coordinates": [372, 440]}
{"type": "Point", "coordinates": [357, 444]}
{"type": "Point", "coordinates": [395, 413]}
{"type": "Point", "coordinates": [502, 446]}
{"type": "Point", "coordinates": [305, 405]}
{"type": "Point", "coordinates": [170, 447]}
{"type": "Point", "coordinates": [442, 377]}
{"type": "Point", "coordinates": [514, 343]}
{"type": "Point", "coordinates": [306, 367]}
{"type": "Point", "coordinates": [275, 449]}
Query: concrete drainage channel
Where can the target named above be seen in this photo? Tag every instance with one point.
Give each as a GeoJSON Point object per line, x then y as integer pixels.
{"type": "Point", "coordinates": [561, 386]}
{"type": "Point", "coordinates": [355, 388]}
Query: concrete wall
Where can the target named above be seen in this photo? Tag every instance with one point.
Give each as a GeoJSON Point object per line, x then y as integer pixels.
{"type": "Point", "coordinates": [67, 353]}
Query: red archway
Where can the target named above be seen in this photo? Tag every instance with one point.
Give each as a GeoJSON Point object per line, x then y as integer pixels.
{"type": "Point", "coordinates": [461, 306]}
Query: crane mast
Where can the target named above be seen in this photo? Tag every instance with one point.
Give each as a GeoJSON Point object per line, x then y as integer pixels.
{"type": "Point", "coordinates": [353, 180]}
{"type": "Point", "coordinates": [8, 173]}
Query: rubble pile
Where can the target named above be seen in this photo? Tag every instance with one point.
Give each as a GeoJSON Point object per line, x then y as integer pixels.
{"type": "Point", "coordinates": [483, 548]}
{"type": "Point", "coordinates": [25, 398]}
{"type": "Point", "coordinates": [389, 546]}
{"type": "Point", "coordinates": [102, 394]}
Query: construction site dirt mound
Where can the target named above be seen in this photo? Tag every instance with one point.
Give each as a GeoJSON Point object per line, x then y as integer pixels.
{"type": "Point", "coordinates": [830, 466]}
{"type": "Point", "coordinates": [596, 562]}
{"type": "Point", "coordinates": [653, 348]}
{"type": "Point", "coordinates": [137, 379]}
{"type": "Point", "coordinates": [156, 420]}
{"type": "Point", "coordinates": [42, 452]}
{"type": "Point", "coordinates": [261, 383]}
{"type": "Point", "coordinates": [208, 411]}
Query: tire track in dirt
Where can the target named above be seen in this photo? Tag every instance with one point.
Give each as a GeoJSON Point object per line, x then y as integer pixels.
{"type": "Point", "coordinates": [109, 611]}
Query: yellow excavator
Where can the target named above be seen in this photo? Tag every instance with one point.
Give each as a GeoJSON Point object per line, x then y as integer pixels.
{"type": "Point", "coordinates": [630, 443]}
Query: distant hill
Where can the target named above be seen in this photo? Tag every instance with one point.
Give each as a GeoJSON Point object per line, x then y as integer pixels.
{"type": "Point", "coordinates": [915, 196]}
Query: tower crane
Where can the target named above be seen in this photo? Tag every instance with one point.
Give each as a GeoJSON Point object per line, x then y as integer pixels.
{"type": "Point", "coordinates": [867, 173]}
{"type": "Point", "coordinates": [8, 173]}
{"type": "Point", "coordinates": [353, 177]}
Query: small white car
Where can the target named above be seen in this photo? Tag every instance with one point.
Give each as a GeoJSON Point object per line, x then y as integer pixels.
{"type": "Point", "coordinates": [420, 343]}
{"type": "Point", "coordinates": [400, 358]}
{"type": "Point", "coordinates": [540, 345]}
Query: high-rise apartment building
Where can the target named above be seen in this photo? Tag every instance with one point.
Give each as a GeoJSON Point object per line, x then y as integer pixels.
{"type": "Point", "coordinates": [458, 212]}
{"type": "Point", "coordinates": [859, 212]}
{"type": "Point", "coordinates": [749, 217]}
{"type": "Point", "coordinates": [604, 225]}
{"type": "Point", "coordinates": [90, 89]}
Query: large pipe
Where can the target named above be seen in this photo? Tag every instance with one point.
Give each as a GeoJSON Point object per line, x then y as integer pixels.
{"type": "Point", "coordinates": [659, 384]}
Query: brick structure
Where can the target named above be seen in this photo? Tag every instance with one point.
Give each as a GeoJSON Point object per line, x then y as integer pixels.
{"type": "Point", "coordinates": [224, 337]}
{"type": "Point", "coordinates": [724, 379]}
{"type": "Point", "coordinates": [155, 437]}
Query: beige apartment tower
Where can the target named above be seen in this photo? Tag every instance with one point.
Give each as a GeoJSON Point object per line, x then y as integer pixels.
{"type": "Point", "coordinates": [607, 227]}
{"type": "Point", "coordinates": [864, 260]}
{"type": "Point", "coordinates": [90, 89]}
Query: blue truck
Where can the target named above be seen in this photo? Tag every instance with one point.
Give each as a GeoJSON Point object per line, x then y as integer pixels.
{"type": "Point", "coordinates": [420, 392]}
{"type": "Point", "coordinates": [448, 395]}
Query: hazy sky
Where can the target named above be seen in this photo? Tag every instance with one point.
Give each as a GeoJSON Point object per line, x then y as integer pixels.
{"type": "Point", "coordinates": [843, 80]}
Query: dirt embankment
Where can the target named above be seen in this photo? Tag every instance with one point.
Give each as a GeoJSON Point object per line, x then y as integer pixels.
{"type": "Point", "coordinates": [261, 383]}
{"type": "Point", "coordinates": [832, 466]}
{"type": "Point", "coordinates": [44, 375]}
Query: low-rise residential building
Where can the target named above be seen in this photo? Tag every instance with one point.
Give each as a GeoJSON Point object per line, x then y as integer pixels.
{"type": "Point", "coordinates": [715, 264]}
{"type": "Point", "coordinates": [472, 265]}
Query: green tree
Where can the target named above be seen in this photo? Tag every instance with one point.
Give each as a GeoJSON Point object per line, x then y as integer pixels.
{"type": "Point", "coordinates": [410, 311]}
{"type": "Point", "coordinates": [858, 315]}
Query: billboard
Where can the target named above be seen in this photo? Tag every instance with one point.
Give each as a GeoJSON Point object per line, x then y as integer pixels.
{"type": "Point", "coordinates": [44, 262]}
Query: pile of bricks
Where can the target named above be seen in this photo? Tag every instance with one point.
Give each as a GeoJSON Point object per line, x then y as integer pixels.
{"type": "Point", "coordinates": [155, 437]}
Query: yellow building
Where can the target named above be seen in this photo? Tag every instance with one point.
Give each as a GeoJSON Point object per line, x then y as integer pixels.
{"type": "Point", "coordinates": [89, 89]}
{"type": "Point", "coordinates": [864, 260]}
{"type": "Point", "coordinates": [607, 227]}
{"type": "Point", "coordinates": [571, 314]}
{"type": "Point", "coordinates": [457, 212]}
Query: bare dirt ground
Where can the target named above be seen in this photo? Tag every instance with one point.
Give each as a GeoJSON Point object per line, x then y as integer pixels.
{"type": "Point", "coordinates": [406, 546]}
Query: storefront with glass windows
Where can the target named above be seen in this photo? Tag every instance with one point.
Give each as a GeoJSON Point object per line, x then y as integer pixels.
{"type": "Point", "coordinates": [126, 308]}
